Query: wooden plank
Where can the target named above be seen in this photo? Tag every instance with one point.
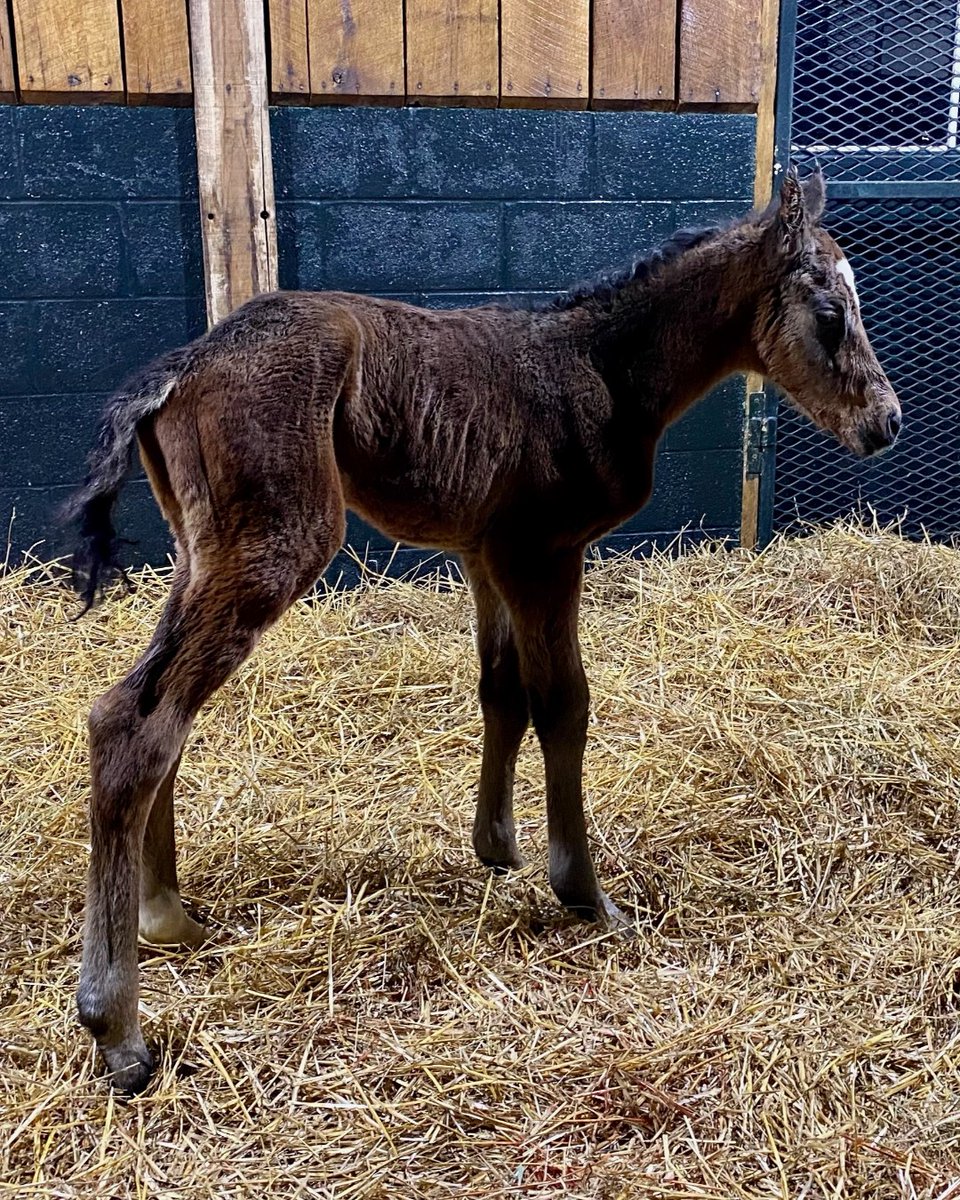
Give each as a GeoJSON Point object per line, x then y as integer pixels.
{"type": "Point", "coordinates": [750, 511]}
{"type": "Point", "coordinates": [453, 48]}
{"type": "Point", "coordinates": [356, 50]}
{"type": "Point", "coordinates": [767, 102]}
{"type": "Point", "coordinates": [720, 52]}
{"type": "Point", "coordinates": [762, 191]}
{"type": "Point", "coordinates": [634, 50]}
{"type": "Point", "coordinates": [545, 52]}
{"type": "Point", "coordinates": [156, 48]}
{"type": "Point", "coordinates": [8, 79]}
{"type": "Point", "coordinates": [68, 48]}
{"type": "Point", "coordinates": [233, 152]}
{"type": "Point", "coordinates": [289, 50]}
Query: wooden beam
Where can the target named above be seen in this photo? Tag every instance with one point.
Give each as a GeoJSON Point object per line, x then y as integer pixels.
{"type": "Point", "coordinates": [767, 102]}
{"type": "Point", "coordinates": [762, 190]}
{"type": "Point", "coordinates": [453, 49]}
{"type": "Point", "coordinates": [289, 50]}
{"type": "Point", "coordinates": [720, 52]}
{"type": "Point", "coordinates": [68, 49]}
{"type": "Point", "coordinates": [156, 50]}
{"type": "Point", "coordinates": [233, 152]}
{"type": "Point", "coordinates": [634, 50]}
{"type": "Point", "coordinates": [356, 50]}
{"type": "Point", "coordinates": [8, 79]}
{"type": "Point", "coordinates": [545, 53]}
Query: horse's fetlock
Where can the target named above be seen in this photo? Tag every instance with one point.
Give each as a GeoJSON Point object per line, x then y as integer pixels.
{"type": "Point", "coordinates": [575, 886]}
{"type": "Point", "coordinates": [93, 1013]}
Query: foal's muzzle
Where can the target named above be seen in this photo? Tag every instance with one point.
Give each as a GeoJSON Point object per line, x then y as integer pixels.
{"type": "Point", "coordinates": [876, 438]}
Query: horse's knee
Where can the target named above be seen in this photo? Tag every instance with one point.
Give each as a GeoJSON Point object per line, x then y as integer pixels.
{"type": "Point", "coordinates": [503, 699]}
{"type": "Point", "coordinates": [562, 709]}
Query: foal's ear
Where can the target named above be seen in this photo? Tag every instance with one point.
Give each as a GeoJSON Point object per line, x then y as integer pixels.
{"type": "Point", "coordinates": [791, 219]}
{"type": "Point", "coordinates": [815, 195]}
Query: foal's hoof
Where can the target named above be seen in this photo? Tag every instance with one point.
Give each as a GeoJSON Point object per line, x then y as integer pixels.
{"type": "Point", "coordinates": [166, 924]}
{"type": "Point", "coordinates": [605, 913]}
{"type": "Point", "coordinates": [188, 933]}
{"type": "Point", "coordinates": [130, 1068]}
{"type": "Point", "coordinates": [614, 919]}
{"type": "Point", "coordinates": [497, 849]}
{"type": "Point", "coordinates": [501, 865]}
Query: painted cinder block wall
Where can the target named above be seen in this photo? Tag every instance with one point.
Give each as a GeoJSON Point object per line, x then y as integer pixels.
{"type": "Point", "coordinates": [102, 261]}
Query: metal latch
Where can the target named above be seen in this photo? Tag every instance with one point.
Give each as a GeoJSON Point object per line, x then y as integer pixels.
{"type": "Point", "coordinates": [761, 431]}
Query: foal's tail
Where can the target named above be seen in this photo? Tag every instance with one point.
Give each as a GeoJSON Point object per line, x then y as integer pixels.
{"type": "Point", "coordinates": [95, 558]}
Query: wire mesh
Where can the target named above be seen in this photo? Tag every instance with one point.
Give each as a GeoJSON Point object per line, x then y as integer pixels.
{"type": "Point", "coordinates": [877, 88]}
{"type": "Point", "coordinates": [876, 100]}
{"type": "Point", "coordinates": [906, 256]}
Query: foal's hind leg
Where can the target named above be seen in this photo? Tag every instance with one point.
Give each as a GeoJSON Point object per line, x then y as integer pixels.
{"type": "Point", "coordinates": [162, 919]}
{"type": "Point", "coordinates": [137, 731]}
{"type": "Point", "coordinates": [505, 719]}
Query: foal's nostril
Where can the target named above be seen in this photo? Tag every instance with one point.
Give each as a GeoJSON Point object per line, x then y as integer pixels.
{"type": "Point", "coordinates": [893, 427]}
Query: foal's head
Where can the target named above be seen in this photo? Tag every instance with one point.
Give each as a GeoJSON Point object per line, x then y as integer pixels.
{"type": "Point", "coordinates": [808, 333]}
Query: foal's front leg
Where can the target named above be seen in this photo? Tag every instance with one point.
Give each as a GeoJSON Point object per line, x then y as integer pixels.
{"type": "Point", "coordinates": [544, 600]}
{"type": "Point", "coordinates": [506, 715]}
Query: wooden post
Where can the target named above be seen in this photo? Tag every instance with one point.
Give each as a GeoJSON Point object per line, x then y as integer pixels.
{"type": "Point", "coordinates": [766, 123]}
{"type": "Point", "coordinates": [8, 82]}
{"type": "Point", "coordinates": [233, 152]}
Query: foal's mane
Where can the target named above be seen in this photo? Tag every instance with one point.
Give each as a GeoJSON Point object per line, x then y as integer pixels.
{"type": "Point", "coordinates": [605, 285]}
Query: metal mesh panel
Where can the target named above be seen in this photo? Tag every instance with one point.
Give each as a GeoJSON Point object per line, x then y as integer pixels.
{"type": "Point", "coordinates": [876, 99]}
{"type": "Point", "coordinates": [877, 88]}
{"type": "Point", "coordinates": [906, 256]}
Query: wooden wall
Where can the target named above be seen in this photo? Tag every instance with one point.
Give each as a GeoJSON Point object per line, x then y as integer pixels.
{"type": "Point", "coordinates": [569, 53]}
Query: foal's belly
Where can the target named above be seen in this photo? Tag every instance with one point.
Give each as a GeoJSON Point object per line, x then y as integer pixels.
{"type": "Point", "coordinates": [437, 486]}
{"type": "Point", "coordinates": [409, 512]}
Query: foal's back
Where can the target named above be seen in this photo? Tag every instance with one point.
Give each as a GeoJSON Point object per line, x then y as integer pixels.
{"type": "Point", "coordinates": [440, 421]}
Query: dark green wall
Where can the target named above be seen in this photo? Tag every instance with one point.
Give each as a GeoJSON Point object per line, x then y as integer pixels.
{"type": "Point", "coordinates": [102, 263]}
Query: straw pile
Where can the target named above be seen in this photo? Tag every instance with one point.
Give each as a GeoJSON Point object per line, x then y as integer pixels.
{"type": "Point", "coordinates": [773, 780]}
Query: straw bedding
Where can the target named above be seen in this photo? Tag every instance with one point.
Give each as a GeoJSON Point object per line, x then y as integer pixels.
{"type": "Point", "coordinates": [773, 778]}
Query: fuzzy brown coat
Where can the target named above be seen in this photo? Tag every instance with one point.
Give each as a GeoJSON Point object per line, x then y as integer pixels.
{"type": "Point", "coordinates": [512, 437]}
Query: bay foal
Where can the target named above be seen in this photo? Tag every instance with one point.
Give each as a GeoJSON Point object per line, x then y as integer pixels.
{"type": "Point", "coordinates": [512, 437]}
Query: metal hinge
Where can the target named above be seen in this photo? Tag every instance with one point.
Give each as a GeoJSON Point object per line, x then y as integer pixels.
{"type": "Point", "coordinates": [761, 431]}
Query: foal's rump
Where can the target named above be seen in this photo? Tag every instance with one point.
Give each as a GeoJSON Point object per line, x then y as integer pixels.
{"type": "Point", "coordinates": [248, 428]}
{"type": "Point", "coordinates": [235, 432]}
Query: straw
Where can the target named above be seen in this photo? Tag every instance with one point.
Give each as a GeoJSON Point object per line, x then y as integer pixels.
{"type": "Point", "coordinates": [772, 776]}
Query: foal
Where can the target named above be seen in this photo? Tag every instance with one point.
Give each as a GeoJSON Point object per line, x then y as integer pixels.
{"type": "Point", "coordinates": [512, 437]}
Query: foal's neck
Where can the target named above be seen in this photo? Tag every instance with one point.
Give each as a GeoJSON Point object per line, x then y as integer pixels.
{"type": "Point", "coordinates": [667, 339]}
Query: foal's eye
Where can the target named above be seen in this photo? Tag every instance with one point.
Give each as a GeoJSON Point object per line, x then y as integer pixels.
{"type": "Point", "coordinates": [831, 326]}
